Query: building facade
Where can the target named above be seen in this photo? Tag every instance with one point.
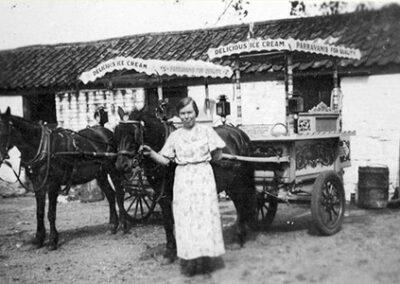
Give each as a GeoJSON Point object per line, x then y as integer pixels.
{"type": "Point", "coordinates": [41, 82]}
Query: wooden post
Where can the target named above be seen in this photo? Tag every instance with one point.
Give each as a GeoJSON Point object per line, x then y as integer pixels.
{"type": "Point", "coordinates": [335, 75]}
{"type": "Point", "coordinates": [398, 170]}
{"type": "Point", "coordinates": [336, 96]}
{"type": "Point", "coordinates": [289, 91]}
{"type": "Point", "coordinates": [160, 93]}
{"type": "Point", "coordinates": [238, 92]}
{"type": "Point", "coordinates": [159, 88]}
{"type": "Point", "coordinates": [207, 106]}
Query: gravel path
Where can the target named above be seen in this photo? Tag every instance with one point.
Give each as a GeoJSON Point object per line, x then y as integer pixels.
{"type": "Point", "coordinates": [366, 250]}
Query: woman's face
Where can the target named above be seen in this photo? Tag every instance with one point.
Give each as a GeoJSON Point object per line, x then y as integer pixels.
{"type": "Point", "coordinates": [188, 116]}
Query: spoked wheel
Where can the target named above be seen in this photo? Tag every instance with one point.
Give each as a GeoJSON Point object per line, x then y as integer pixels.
{"type": "Point", "coordinates": [140, 199]}
{"type": "Point", "coordinates": [267, 205]}
{"type": "Point", "coordinates": [328, 203]}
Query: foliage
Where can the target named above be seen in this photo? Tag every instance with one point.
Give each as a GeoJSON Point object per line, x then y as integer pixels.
{"type": "Point", "coordinates": [297, 8]}
{"type": "Point", "coordinates": [302, 8]}
{"type": "Point", "coordinates": [240, 7]}
{"type": "Point", "coordinates": [308, 8]}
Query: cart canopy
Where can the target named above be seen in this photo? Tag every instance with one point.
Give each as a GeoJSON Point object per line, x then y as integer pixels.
{"type": "Point", "coordinates": [190, 68]}
{"type": "Point", "coordinates": [262, 45]}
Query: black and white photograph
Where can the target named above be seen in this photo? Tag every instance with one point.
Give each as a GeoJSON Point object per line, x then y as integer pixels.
{"type": "Point", "coordinates": [199, 141]}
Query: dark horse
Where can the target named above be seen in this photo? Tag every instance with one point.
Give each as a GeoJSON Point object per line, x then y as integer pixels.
{"type": "Point", "coordinates": [48, 171]}
{"type": "Point", "coordinates": [233, 177]}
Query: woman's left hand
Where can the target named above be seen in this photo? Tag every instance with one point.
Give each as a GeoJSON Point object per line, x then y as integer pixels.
{"type": "Point", "coordinates": [216, 155]}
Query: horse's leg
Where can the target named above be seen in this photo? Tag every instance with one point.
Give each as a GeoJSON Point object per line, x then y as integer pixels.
{"type": "Point", "coordinates": [40, 197]}
{"type": "Point", "coordinates": [53, 190]}
{"type": "Point", "coordinates": [244, 199]}
{"type": "Point", "coordinates": [110, 195]}
{"type": "Point", "coordinates": [119, 192]}
{"type": "Point", "coordinates": [239, 202]}
{"type": "Point", "coordinates": [168, 220]}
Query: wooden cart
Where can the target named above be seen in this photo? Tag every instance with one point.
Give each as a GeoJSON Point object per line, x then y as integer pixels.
{"type": "Point", "coordinates": [305, 160]}
{"type": "Point", "coordinates": [302, 168]}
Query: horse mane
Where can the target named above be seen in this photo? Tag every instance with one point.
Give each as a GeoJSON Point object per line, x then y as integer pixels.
{"type": "Point", "coordinates": [26, 127]}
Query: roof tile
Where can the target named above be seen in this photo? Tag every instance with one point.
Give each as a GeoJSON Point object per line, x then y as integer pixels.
{"type": "Point", "coordinates": [375, 33]}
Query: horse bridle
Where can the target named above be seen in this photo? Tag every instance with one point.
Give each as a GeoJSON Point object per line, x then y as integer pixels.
{"type": "Point", "coordinates": [138, 156]}
{"type": "Point", "coordinates": [42, 152]}
{"type": "Point", "coordinates": [7, 146]}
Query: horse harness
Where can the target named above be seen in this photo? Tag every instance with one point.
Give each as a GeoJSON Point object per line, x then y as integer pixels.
{"type": "Point", "coordinates": [42, 152]}
{"type": "Point", "coordinates": [7, 145]}
{"type": "Point", "coordinates": [136, 157]}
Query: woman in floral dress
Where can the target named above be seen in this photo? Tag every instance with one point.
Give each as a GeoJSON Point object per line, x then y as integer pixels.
{"type": "Point", "coordinates": [195, 203]}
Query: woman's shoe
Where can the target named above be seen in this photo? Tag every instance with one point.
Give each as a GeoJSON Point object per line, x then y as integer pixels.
{"type": "Point", "coordinates": [188, 267]}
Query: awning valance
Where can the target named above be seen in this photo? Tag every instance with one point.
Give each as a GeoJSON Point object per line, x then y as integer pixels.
{"type": "Point", "coordinates": [308, 46]}
{"type": "Point", "coordinates": [190, 68]}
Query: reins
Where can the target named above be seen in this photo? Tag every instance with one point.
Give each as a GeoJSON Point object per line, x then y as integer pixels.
{"type": "Point", "coordinates": [138, 156]}
{"type": "Point", "coordinates": [43, 148]}
{"type": "Point", "coordinates": [89, 138]}
{"type": "Point", "coordinates": [17, 175]}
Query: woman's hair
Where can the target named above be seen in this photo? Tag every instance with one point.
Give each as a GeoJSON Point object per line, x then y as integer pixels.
{"type": "Point", "coordinates": [184, 102]}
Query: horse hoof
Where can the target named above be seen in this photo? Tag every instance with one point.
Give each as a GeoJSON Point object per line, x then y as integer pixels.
{"type": "Point", "coordinates": [242, 239]}
{"type": "Point", "coordinates": [167, 260]}
{"type": "Point", "coordinates": [169, 257]}
{"type": "Point", "coordinates": [126, 228]}
{"type": "Point", "coordinates": [52, 247]}
{"type": "Point", "coordinates": [36, 246]}
{"type": "Point", "coordinates": [114, 229]}
{"type": "Point", "coordinates": [36, 243]}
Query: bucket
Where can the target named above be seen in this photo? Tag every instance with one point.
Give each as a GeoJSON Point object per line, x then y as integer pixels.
{"type": "Point", "coordinates": [373, 187]}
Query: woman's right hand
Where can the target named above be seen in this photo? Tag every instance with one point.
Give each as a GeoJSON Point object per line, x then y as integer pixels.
{"type": "Point", "coordinates": [147, 151]}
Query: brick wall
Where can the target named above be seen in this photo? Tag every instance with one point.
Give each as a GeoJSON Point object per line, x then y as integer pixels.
{"type": "Point", "coordinates": [76, 110]}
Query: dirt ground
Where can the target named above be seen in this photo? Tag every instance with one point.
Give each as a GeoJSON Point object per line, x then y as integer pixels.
{"type": "Point", "coordinates": [366, 250]}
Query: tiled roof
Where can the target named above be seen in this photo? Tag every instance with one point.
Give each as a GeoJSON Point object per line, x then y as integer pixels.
{"type": "Point", "coordinates": [375, 33]}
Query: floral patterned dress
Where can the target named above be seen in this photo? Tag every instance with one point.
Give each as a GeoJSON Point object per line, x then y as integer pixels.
{"type": "Point", "coordinates": [195, 205]}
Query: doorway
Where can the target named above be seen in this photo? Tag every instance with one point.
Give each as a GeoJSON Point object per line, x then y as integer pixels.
{"type": "Point", "coordinates": [172, 95]}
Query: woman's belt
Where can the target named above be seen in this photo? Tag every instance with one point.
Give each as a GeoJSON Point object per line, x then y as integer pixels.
{"type": "Point", "coordinates": [193, 163]}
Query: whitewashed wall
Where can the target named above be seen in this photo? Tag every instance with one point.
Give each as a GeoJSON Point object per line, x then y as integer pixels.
{"type": "Point", "coordinates": [371, 106]}
{"type": "Point", "coordinates": [198, 93]}
{"type": "Point", "coordinates": [76, 111]}
{"type": "Point", "coordinates": [14, 102]}
{"type": "Point", "coordinates": [262, 102]}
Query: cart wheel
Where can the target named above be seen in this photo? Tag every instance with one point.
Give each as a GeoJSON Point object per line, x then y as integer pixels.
{"type": "Point", "coordinates": [267, 205]}
{"type": "Point", "coordinates": [328, 203]}
{"type": "Point", "coordinates": [140, 199]}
